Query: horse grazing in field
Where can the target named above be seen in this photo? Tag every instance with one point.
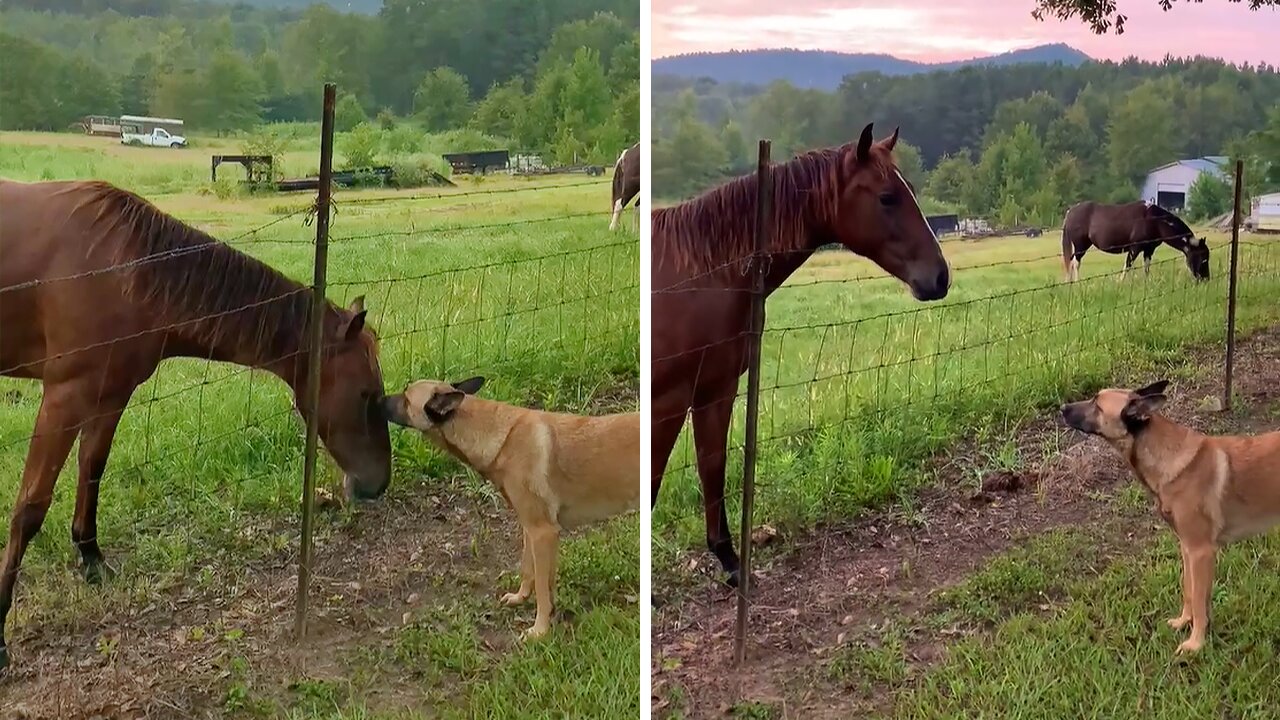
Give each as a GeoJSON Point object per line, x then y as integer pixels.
{"type": "Point", "coordinates": [97, 286]}
{"type": "Point", "coordinates": [626, 182]}
{"type": "Point", "coordinates": [853, 195]}
{"type": "Point", "coordinates": [1131, 228]}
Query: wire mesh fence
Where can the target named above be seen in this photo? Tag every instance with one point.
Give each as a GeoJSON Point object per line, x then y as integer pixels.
{"type": "Point", "coordinates": [860, 386]}
{"type": "Point", "coordinates": [199, 501]}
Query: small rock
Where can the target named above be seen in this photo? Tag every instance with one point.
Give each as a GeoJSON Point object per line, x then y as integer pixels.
{"type": "Point", "coordinates": [413, 598]}
{"type": "Point", "coordinates": [764, 535]}
{"type": "Point", "coordinates": [1212, 403]}
{"type": "Point", "coordinates": [406, 618]}
{"type": "Point", "coordinates": [846, 619]}
{"type": "Point", "coordinates": [841, 638]}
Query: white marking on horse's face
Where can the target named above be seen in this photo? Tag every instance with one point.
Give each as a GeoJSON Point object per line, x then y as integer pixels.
{"type": "Point", "coordinates": [923, 219]}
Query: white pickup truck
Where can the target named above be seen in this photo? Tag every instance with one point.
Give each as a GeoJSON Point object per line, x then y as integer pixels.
{"type": "Point", "coordinates": [158, 137]}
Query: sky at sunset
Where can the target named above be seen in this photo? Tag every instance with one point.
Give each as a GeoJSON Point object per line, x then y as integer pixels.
{"type": "Point", "coordinates": [943, 30]}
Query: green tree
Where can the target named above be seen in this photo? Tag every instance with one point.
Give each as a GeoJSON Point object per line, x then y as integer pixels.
{"type": "Point", "coordinates": [910, 164]}
{"type": "Point", "coordinates": [951, 179]}
{"type": "Point", "coordinates": [1101, 15]}
{"type": "Point", "coordinates": [1141, 134]}
{"type": "Point", "coordinates": [1209, 197]}
{"type": "Point", "coordinates": [1038, 111]}
{"type": "Point", "coordinates": [232, 94]}
{"type": "Point", "coordinates": [585, 101]}
{"type": "Point", "coordinates": [688, 161]}
{"type": "Point", "coordinates": [603, 33]}
{"type": "Point", "coordinates": [1072, 135]}
{"type": "Point", "coordinates": [735, 146]}
{"type": "Point", "coordinates": [443, 100]}
{"type": "Point", "coordinates": [348, 114]}
{"type": "Point", "coordinates": [359, 147]}
{"type": "Point", "coordinates": [500, 111]}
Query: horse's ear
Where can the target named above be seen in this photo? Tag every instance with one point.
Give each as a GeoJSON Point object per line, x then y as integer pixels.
{"type": "Point", "coordinates": [351, 327]}
{"type": "Point", "coordinates": [864, 144]}
{"type": "Point", "coordinates": [892, 140]}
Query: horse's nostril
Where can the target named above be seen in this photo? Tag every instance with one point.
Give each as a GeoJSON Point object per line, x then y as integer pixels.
{"type": "Point", "coordinates": [944, 278]}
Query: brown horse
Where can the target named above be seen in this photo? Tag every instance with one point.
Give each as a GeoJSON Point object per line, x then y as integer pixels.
{"type": "Point", "coordinates": [852, 195]}
{"type": "Point", "coordinates": [97, 286]}
{"type": "Point", "coordinates": [1131, 228]}
{"type": "Point", "coordinates": [626, 182]}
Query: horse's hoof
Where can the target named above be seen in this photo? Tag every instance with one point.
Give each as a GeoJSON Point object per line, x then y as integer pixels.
{"type": "Point", "coordinates": [734, 578]}
{"type": "Point", "coordinates": [96, 573]}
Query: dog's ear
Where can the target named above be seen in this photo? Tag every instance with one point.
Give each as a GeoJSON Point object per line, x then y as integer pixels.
{"type": "Point", "coordinates": [470, 386]}
{"type": "Point", "coordinates": [1155, 388]}
{"type": "Point", "coordinates": [442, 405]}
{"type": "Point", "coordinates": [1141, 408]}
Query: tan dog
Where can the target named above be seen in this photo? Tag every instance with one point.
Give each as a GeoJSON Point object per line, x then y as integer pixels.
{"type": "Point", "coordinates": [1211, 490]}
{"type": "Point", "coordinates": [557, 471]}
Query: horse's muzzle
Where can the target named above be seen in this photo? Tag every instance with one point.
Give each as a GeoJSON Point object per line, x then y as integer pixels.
{"type": "Point", "coordinates": [934, 288]}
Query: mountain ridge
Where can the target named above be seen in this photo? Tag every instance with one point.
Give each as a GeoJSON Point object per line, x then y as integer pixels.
{"type": "Point", "coordinates": [823, 69]}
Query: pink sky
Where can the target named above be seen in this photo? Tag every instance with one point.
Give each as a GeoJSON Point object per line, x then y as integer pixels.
{"type": "Point", "coordinates": [943, 30]}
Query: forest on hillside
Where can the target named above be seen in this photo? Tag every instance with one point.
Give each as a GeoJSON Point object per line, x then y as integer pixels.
{"type": "Point", "coordinates": [1018, 143]}
{"type": "Point", "coordinates": [555, 76]}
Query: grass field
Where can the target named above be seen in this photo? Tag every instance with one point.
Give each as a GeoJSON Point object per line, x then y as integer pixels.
{"type": "Point", "coordinates": [860, 383]}
{"type": "Point", "coordinates": [865, 395]}
{"type": "Point", "coordinates": [200, 499]}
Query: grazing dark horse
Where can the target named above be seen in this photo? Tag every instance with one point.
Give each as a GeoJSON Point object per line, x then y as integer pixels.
{"type": "Point", "coordinates": [97, 286]}
{"type": "Point", "coordinates": [853, 195]}
{"type": "Point", "coordinates": [1131, 228]}
{"type": "Point", "coordinates": [626, 182]}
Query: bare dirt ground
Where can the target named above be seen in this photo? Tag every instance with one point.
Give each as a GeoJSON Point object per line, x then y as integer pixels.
{"type": "Point", "coordinates": [841, 583]}
{"type": "Point", "coordinates": [188, 652]}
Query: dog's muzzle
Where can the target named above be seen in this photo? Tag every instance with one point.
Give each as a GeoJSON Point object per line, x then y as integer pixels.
{"type": "Point", "coordinates": [393, 409]}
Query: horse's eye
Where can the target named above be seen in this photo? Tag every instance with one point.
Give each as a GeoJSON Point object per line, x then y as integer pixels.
{"type": "Point", "coordinates": [888, 199]}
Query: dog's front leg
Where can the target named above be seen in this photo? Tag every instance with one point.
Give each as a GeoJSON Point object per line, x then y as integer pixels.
{"type": "Point", "coordinates": [546, 541]}
{"type": "Point", "coordinates": [1185, 617]}
{"type": "Point", "coordinates": [1202, 559]}
{"type": "Point", "coordinates": [526, 574]}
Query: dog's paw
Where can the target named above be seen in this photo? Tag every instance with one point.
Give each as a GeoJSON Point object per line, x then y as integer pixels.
{"type": "Point", "coordinates": [514, 598]}
{"type": "Point", "coordinates": [536, 631]}
{"type": "Point", "coordinates": [1190, 646]}
{"type": "Point", "coordinates": [1179, 622]}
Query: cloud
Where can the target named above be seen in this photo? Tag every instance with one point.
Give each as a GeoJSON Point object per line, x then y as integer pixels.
{"type": "Point", "coordinates": [960, 29]}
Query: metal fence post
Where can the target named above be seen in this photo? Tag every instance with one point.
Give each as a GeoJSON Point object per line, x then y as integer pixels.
{"type": "Point", "coordinates": [759, 267]}
{"type": "Point", "coordinates": [315, 339]}
{"type": "Point", "coordinates": [1231, 289]}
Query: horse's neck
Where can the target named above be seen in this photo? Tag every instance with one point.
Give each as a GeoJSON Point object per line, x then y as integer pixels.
{"type": "Point", "coordinates": [279, 348]}
{"type": "Point", "coordinates": [782, 265]}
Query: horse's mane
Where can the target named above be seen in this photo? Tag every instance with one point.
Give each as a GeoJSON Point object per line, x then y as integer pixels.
{"type": "Point", "coordinates": [218, 295]}
{"type": "Point", "coordinates": [717, 229]}
{"type": "Point", "coordinates": [1177, 223]}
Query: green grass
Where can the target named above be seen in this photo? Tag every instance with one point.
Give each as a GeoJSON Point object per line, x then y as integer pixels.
{"type": "Point", "coordinates": [860, 384]}
{"type": "Point", "coordinates": [204, 474]}
{"type": "Point", "coordinates": [1102, 649]}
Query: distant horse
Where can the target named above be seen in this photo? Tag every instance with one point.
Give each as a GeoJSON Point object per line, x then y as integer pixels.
{"type": "Point", "coordinates": [1131, 228]}
{"type": "Point", "coordinates": [626, 182]}
{"type": "Point", "coordinates": [97, 286]}
{"type": "Point", "coordinates": [853, 195]}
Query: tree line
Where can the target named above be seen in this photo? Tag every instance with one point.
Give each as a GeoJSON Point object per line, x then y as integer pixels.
{"type": "Point", "coordinates": [1018, 143]}
{"type": "Point", "coordinates": [557, 76]}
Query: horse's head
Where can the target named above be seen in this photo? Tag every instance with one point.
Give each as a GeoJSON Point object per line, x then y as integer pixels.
{"type": "Point", "coordinates": [350, 418]}
{"type": "Point", "coordinates": [877, 217]}
{"type": "Point", "coordinates": [1197, 254]}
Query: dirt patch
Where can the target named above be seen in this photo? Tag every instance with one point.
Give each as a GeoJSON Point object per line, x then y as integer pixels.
{"type": "Point", "coordinates": [192, 653]}
{"type": "Point", "coordinates": [844, 581]}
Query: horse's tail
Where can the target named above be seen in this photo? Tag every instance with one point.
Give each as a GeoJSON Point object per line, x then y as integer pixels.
{"type": "Point", "coordinates": [615, 197]}
{"type": "Point", "coordinates": [1068, 243]}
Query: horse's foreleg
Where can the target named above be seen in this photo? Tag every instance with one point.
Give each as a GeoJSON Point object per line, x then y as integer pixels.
{"type": "Point", "coordinates": [1129, 257]}
{"type": "Point", "coordinates": [617, 210]}
{"type": "Point", "coordinates": [95, 446]}
{"type": "Point", "coordinates": [666, 431]}
{"type": "Point", "coordinates": [711, 436]}
{"type": "Point", "coordinates": [55, 431]}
